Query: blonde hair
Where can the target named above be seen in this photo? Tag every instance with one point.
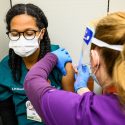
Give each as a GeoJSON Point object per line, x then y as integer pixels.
{"type": "Point", "coordinates": [111, 29]}
{"type": "Point", "coordinates": [119, 76]}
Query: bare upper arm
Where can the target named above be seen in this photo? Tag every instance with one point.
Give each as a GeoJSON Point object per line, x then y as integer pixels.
{"type": "Point", "coordinates": [68, 80]}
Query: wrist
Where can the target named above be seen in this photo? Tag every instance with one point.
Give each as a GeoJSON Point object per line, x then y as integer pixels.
{"type": "Point", "coordinates": [79, 84]}
{"type": "Point", "coordinates": [82, 90]}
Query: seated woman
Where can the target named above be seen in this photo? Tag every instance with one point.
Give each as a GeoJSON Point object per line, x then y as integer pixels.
{"type": "Point", "coordinates": [29, 42]}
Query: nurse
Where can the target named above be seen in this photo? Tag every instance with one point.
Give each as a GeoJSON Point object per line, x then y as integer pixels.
{"type": "Point", "coordinates": [85, 108]}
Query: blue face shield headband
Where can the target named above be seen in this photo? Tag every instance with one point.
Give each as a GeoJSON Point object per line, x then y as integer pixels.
{"type": "Point", "coordinates": [88, 39]}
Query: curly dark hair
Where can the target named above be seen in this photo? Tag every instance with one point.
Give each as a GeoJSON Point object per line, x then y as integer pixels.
{"type": "Point", "coordinates": [15, 61]}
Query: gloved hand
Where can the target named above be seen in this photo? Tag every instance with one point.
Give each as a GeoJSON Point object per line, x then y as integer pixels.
{"type": "Point", "coordinates": [63, 58]}
{"type": "Point", "coordinates": [82, 77]}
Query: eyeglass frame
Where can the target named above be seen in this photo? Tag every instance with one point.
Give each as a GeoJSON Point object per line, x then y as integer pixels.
{"type": "Point", "coordinates": [35, 31]}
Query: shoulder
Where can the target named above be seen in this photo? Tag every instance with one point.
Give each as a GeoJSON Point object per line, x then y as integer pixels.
{"type": "Point", "coordinates": [102, 105]}
{"type": "Point", "coordinates": [5, 72]}
{"type": "Point", "coordinates": [94, 99]}
{"type": "Point", "coordinates": [4, 61]}
{"type": "Point", "coordinates": [54, 47]}
{"type": "Point", "coordinates": [4, 66]}
{"type": "Point", "coordinates": [98, 103]}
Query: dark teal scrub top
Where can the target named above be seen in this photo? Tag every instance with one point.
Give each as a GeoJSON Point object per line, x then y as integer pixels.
{"type": "Point", "coordinates": [8, 87]}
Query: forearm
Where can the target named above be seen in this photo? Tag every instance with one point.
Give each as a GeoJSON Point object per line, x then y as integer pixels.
{"type": "Point", "coordinates": [36, 83]}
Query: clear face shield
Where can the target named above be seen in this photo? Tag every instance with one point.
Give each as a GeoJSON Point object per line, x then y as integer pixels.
{"type": "Point", "coordinates": [85, 51]}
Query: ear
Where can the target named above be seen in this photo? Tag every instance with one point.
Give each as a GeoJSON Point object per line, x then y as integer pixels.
{"type": "Point", "coordinates": [42, 32]}
{"type": "Point", "coordinates": [94, 58]}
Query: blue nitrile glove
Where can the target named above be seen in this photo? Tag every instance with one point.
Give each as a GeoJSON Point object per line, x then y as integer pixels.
{"type": "Point", "coordinates": [63, 57]}
{"type": "Point", "coordinates": [82, 77]}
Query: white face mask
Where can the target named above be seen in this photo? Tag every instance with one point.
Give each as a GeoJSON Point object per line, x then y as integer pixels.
{"type": "Point", "coordinates": [92, 74]}
{"type": "Point", "coordinates": [94, 78]}
{"type": "Point", "coordinates": [23, 47]}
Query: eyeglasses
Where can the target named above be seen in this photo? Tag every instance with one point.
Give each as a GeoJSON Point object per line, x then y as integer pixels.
{"type": "Point", "coordinates": [28, 34]}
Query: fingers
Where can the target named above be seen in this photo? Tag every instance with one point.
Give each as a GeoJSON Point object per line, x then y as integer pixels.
{"type": "Point", "coordinates": [83, 69]}
{"type": "Point", "coordinates": [75, 68]}
{"type": "Point", "coordinates": [67, 55]}
{"type": "Point", "coordinates": [64, 50]}
{"type": "Point", "coordinates": [61, 49]}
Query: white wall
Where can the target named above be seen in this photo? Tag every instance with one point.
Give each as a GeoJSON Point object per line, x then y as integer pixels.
{"type": "Point", "coordinates": [117, 5]}
{"type": "Point", "coordinates": [4, 6]}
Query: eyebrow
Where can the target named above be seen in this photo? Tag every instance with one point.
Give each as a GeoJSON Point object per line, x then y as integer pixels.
{"type": "Point", "coordinates": [23, 30]}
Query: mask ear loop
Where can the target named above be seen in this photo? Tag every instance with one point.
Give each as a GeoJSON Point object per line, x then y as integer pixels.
{"type": "Point", "coordinates": [96, 56]}
{"type": "Point", "coordinates": [40, 35]}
